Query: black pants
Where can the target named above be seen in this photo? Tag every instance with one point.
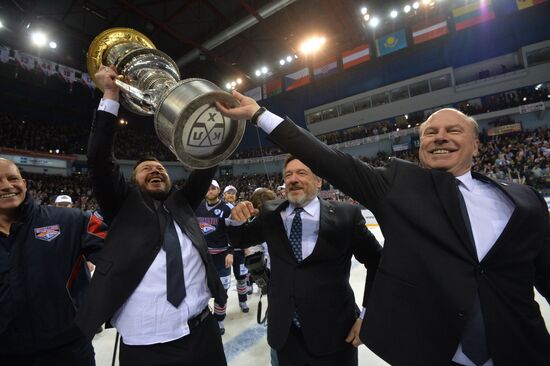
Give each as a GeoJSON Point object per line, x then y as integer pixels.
{"type": "Point", "coordinates": [80, 352]}
{"type": "Point", "coordinates": [295, 353]}
{"type": "Point", "coordinates": [203, 346]}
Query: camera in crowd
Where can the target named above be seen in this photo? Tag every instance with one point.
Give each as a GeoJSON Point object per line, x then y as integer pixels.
{"type": "Point", "coordinates": [259, 273]}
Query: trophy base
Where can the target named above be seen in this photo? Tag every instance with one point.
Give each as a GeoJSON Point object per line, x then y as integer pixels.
{"type": "Point", "coordinates": [189, 124]}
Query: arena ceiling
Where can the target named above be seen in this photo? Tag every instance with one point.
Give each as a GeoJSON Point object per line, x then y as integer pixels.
{"type": "Point", "coordinates": [195, 33]}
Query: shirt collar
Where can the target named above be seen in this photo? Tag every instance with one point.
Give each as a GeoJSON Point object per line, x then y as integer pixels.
{"type": "Point", "coordinates": [311, 208]}
{"type": "Point", "coordinates": [467, 180]}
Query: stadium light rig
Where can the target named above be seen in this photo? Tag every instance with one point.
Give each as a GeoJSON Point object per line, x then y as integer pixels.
{"type": "Point", "coordinates": [312, 45]}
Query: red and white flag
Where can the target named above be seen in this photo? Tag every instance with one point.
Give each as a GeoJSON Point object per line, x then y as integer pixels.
{"type": "Point", "coordinates": [429, 29]}
{"type": "Point", "coordinates": [355, 56]}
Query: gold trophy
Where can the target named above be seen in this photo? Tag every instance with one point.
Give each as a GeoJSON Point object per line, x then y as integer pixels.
{"type": "Point", "coordinates": [186, 119]}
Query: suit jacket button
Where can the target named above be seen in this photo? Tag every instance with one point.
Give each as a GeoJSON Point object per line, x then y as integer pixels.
{"type": "Point", "coordinates": [480, 269]}
{"type": "Point", "coordinates": [460, 314]}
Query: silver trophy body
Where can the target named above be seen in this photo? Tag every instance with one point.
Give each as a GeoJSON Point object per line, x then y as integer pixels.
{"type": "Point", "coordinates": [186, 119]}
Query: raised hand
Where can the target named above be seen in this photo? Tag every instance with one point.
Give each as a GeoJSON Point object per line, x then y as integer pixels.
{"type": "Point", "coordinates": [243, 211]}
{"type": "Point", "coordinates": [245, 110]}
{"type": "Point", "coordinates": [105, 78]}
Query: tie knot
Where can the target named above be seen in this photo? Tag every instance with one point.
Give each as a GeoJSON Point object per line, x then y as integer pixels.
{"type": "Point", "coordinates": [298, 210]}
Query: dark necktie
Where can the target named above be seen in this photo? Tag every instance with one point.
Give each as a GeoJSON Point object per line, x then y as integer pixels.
{"type": "Point", "coordinates": [474, 341]}
{"type": "Point", "coordinates": [295, 239]}
{"type": "Point", "coordinates": [175, 282]}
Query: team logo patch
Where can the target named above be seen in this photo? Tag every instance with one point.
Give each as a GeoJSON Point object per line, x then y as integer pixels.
{"type": "Point", "coordinates": [207, 228]}
{"type": "Point", "coordinates": [47, 233]}
{"type": "Point", "coordinates": [208, 129]}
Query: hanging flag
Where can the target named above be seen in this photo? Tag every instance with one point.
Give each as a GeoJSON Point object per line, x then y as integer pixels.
{"type": "Point", "coordinates": [46, 66]}
{"type": "Point", "coordinates": [325, 68]}
{"type": "Point", "coordinates": [355, 56]}
{"type": "Point", "coordinates": [272, 87]}
{"type": "Point", "coordinates": [391, 42]}
{"type": "Point", "coordinates": [429, 29]}
{"type": "Point", "coordinates": [4, 54]}
{"type": "Point", "coordinates": [24, 60]}
{"type": "Point", "coordinates": [472, 14]}
{"type": "Point", "coordinates": [87, 80]}
{"type": "Point", "coordinates": [255, 93]}
{"type": "Point", "coordinates": [66, 73]}
{"type": "Point", "coordinates": [524, 4]}
{"type": "Point", "coordinates": [297, 79]}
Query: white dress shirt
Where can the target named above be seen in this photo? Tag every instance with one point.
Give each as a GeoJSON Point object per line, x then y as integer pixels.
{"type": "Point", "coordinates": [310, 224]}
{"type": "Point", "coordinates": [147, 317]}
{"type": "Point", "coordinates": [489, 210]}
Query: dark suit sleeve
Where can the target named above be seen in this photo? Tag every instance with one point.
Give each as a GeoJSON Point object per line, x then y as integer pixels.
{"type": "Point", "coordinates": [110, 188]}
{"type": "Point", "coordinates": [197, 185]}
{"type": "Point", "coordinates": [366, 250]}
{"type": "Point", "coordinates": [246, 235]}
{"type": "Point", "coordinates": [359, 180]}
{"type": "Point", "coordinates": [542, 262]}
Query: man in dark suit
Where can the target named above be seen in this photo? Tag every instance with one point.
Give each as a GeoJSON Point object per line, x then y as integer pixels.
{"type": "Point", "coordinates": [462, 253]}
{"type": "Point", "coordinates": [155, 277]}
{"type": "Point", "coordinates": [312, 308]}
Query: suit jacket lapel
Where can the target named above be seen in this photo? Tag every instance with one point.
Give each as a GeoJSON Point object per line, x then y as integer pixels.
{"type": "Point", "coordinates": [275, 222]}
{"type": "Point", "coordinates": [326, 220]}
{"type": "Point", "coordinates": [445, 186]}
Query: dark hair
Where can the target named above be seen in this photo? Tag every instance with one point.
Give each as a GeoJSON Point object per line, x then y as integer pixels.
{"type": "Point", "coordinates": [288, 159]}
{"type": "Point", "coordinates": [141, 160]}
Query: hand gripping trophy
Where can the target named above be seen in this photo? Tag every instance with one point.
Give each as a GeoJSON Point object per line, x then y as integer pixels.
{"type": "Point", "coordinates": [186, 119]}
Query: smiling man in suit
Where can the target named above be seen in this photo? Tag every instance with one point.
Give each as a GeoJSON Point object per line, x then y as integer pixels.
{"type": "Point", "coordinates": [155, 277]}
{"type": "Point", "coordinates": [312, 315]}
{"type": "Point", "coordinates": [462, 253]}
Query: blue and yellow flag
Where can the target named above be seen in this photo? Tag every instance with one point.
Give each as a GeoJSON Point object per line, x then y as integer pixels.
{"type": "Point", "coordinates": [391, 42]}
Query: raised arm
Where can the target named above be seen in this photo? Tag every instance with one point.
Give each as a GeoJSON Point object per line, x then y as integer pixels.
{"type": "Point", "coordinates": [361, 181]}
{"type": "Point", "coordinates": [109, 185]}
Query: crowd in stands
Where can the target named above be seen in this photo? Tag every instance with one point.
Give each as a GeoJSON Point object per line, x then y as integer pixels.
{"type": "Point", "coordinates": [45, 188]}
{"type": "Point", "coordinates": [522, 157]}
{"type": "Point", "coordinates": [71, 138]}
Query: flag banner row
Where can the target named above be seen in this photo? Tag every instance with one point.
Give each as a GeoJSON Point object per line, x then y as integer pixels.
{"type": "Point", "coordinates": [30, 62]}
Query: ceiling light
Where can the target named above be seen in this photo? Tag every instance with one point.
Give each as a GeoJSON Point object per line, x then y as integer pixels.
{"type": "Point", "coordinates": [366, 17]}
{"type": "Point", "coordinates": [288, 58]}
{"type": "Point", "coordinates": [363, 10]}
{"type": "Point", "coordinates": [228, 86]}
{"type": "Point", "coordinates": [374, 22]}
{"type": "Point", "coordinates": [239, 81]}
{"type": "Point", "coordinates": [53, 44]}
{"type": "Point", "coordinates": [281, 62]}
{"type": "Point", "coordinates": [393, 14]}
{"type": "Point", "coordinates": [233, 84]}
{"type": "Point", "coordinates": [264, 70]}
{"type": "Point", "coordinates": [416, 5]}
{"type": "Point", "coordinates": [407, 8]}
{"type": "Point", "coordinates": [258, 73]}
{"type": "Point", "coordinates": [39, 38]}
{"type": "Point", "coordinates": [312, 45]}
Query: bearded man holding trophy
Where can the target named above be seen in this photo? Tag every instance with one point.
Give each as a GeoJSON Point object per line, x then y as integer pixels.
{"type": "Point", "coordinates": [155, 277]}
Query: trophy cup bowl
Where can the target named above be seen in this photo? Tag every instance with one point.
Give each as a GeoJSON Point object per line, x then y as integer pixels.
{"type": "Point", "coordinates": [185, 117]}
